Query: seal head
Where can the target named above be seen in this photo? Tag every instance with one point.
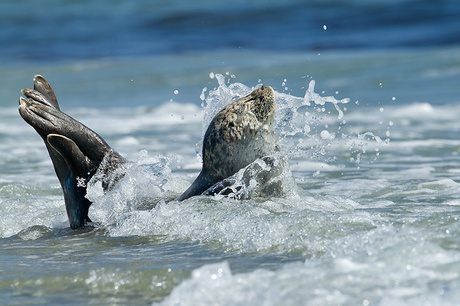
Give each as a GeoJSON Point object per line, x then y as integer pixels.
{"type": "Point", "coordinates": [238, 135]}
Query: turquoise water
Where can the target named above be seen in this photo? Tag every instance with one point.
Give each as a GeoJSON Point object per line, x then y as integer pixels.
{"type": "Point", "coordinates": [375, 221]}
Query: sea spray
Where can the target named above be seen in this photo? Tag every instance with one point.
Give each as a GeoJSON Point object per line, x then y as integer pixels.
{"type": "Point", "coordinates": [146, 182]}
{"type": "Point", "coordinates": [307, 126]}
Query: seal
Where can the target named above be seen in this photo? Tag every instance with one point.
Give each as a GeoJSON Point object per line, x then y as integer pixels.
{"type": "Point", "coordinates": [75, 150]}
{"type": "Point", "coordinates": [239, 134]}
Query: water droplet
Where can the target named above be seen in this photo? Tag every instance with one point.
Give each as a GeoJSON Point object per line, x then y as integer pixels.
{"type": "Point", "coordinates": [202, 96]}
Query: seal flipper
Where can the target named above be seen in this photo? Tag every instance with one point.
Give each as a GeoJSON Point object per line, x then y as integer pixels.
{"type": "Point", "coordinates": [41, 85]}
{"type": "Point", "coordinates": [73, 170]}
{"type": "Point", "coordinates": [75, 150]}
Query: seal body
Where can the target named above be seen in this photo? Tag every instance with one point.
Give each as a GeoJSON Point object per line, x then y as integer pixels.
{"type": "Point", "coordinates": [238, 135]}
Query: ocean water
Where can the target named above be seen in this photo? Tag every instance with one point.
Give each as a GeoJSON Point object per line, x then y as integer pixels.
{"type": "Point", "coordinates": [367, 114]}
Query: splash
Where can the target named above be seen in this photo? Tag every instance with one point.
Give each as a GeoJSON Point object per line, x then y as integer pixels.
{"type": "Point", "coordinates": [216, 99]}
{"type": "Point", "coordinates": [308, 127]}
{"type": "Point", "coordinates": [267, 177]}
{"type": "Point", "coordinates": [145, 183]}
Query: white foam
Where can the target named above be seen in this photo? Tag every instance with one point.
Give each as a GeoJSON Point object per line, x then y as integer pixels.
{"type": "Point", "coordinates": [40, 209]}
{"type": "Point", "coordinates": [354, 270]}
{"type": "Point", "coordinates": [248, 226]}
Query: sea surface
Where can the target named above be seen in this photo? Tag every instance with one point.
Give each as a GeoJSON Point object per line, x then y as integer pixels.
{"type": "Point", "coordinates": [368, 108]}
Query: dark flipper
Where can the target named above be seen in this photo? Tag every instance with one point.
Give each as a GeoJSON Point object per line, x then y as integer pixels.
{"type": "Point", "coordinates": [76, 150]}
{"type": "Point", "coordinates": [70, 165]}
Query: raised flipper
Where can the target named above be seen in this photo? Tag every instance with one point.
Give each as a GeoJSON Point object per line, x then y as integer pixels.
{"type": "Point", "coordinates": [266, 177]}
{"type": "Point", "coordinates": [75, 150]}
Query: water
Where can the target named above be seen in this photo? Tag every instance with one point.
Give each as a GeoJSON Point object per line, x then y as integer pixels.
{"type": "Point", "coordinates": [373, 218]}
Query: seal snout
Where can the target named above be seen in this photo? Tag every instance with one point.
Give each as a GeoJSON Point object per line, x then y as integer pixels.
{"type": "Point", "coordinates": [263, 103]}
{"type": "Point", "coordinates": [265, 92]}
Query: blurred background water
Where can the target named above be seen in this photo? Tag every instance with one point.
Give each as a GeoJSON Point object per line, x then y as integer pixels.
{"type": "Point", "coordinates": [376, 221]}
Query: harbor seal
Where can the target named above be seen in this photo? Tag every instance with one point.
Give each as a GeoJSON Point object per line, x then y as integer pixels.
{"type": "Point", "coordinates": [239, 134]}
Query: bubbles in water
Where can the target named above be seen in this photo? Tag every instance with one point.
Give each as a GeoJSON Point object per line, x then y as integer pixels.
{"type": "Point", "coordinates": [325, 134]}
